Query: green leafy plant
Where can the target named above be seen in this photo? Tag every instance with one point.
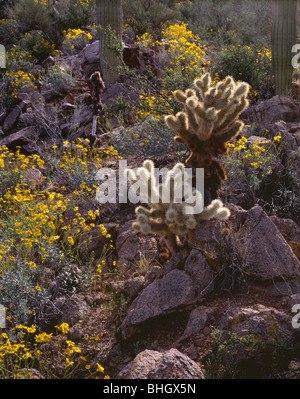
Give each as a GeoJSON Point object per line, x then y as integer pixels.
{"type": "Point", "coordinates": [37, 46]}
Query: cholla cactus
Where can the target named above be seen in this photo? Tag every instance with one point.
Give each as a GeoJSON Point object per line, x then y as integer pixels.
{"type": "Point", "coordinates": [174, 208]}
{"type": "Point", "coordinates": [208, 122]}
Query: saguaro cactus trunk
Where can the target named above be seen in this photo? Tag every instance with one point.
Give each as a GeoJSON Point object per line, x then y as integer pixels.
{"type": "Point", "coordinates": [283, 37]}
{"type": "Point", "coordinates": [109, 15]}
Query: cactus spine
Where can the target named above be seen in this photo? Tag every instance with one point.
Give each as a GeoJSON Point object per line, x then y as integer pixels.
{"type": "Point", "coordinates": [207, 123]}
{"type": "Point", "coordinates": [174, 217]}
{"type": "Point", "coordinates": [283, 37]}
{"type": "Point", "coordinates": [109, 15]}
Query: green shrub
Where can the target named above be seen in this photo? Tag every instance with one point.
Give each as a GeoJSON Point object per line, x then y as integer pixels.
{"type": "Point", "coordinates": [20, 290]}
{"type": "Point", "coordinates": [148, 138]}
{"type": "Point", "coordinates": [32, 15]}
{"type": "Point", "coordinates": [75, 40]}
{"type": "Point", "coordinates": [8, 31]}
{"type": "Point", "coordinates": [37, 46]}
{"type": "Point", "coordinates": [251, 65]}
{"type": "Point", "coordinates": [249, 21]}
{"type": "Point", "coordinates": [60, 82]}
{"type": "Point", "coordinates": [70, 14]}
{"type": "Point", "coordinates": [149, 16]}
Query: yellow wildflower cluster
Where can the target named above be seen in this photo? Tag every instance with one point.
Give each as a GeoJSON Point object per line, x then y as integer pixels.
{"type": "Point", "coordinates": [74, 33]}
{"type": "Point", "coordinates": [255, 159]}
{"type": "Point", "coordinates": [28, 349]}
{"type": "Point", "coordinates": [42, 2]}
{"type": "Point", "coordinates": [186, 60]}
{"type": "Point", "coordinates": [151, 106]}
{"type": "Point", "coordinates": [17, 80]}
{"type": "Point", "coordinates": [144, 40]}
{"type": "Point", "coordinates": [75, 40]}
{"type": "Point", "coordinates": [32, 222]}
{"type": "Point", "coordinates": [187, 54]}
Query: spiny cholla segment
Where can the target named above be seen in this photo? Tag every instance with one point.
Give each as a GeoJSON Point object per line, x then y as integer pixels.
{"type": "Point", "coordinates": [174, 217]}
{"type": "Point", "coordinates": [215, 114]}
{"type": "Point", "coordinates": [207, 123]}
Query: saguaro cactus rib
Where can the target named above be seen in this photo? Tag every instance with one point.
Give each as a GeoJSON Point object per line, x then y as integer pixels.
{"type": "Point", "coordinates": [109, 15]}
{"type": "Point", "coordinates": [283, 37]}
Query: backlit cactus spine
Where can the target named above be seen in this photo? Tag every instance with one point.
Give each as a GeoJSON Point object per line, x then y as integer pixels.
{"type": "Point", "coordinates": [171, 217]}
{"type": "Point", "coordinates": [109, 15]}
{"type": "Point", "coordinates": [283, 37]}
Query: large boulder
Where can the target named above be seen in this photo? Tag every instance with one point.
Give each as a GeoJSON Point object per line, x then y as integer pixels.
{"type": "Point", "coordinates": [13, 116]}
{"type": "Point", "coordinates": [253, 340]}
{"type": "Point", "coordinates": [19, 138]}
{"type": "Point", "coordinates": [90, 59]}
{"type": "Point", "coordinates": [290, 231]}
{"type": "Point", "coordinates": [174, 291]}
{"type": "Point", "coordinates": [268, 259]}
{"type": "Point", "coordinates": [266, 263]}
{"type": "Point", "coordinates": [277, 108]}
{"type": "Point", "coordinates": [171, 364]}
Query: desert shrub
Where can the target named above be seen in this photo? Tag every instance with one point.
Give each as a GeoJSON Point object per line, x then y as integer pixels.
{"type": "Point", "coordinates": [148, 16]}
{"type": "Point", "coordinates": [264, 356]}
{"type": "Point", "coordinates": [217, 21]}
{"type": "Point", "coordinates": [12, 82]}
{"type": "Point", "coordinates": [20, 289]}
{"type": "Point", "coordinates": [17, 59]}
{"type": "Point", "coordinates": [52, 18]}
{"type": "Point", "coordinates": [37, 46]}
{"type": "Point", "coordinates": [252, 160]}
{"type": "Point", "coordinates": [75, 40]}
{"type": "Point", "coordinates": [186, 56]}
{"type": "Point", "coordinates": [33, 231]}
{"type": "Point", "coordinates": [70, 14]}
{"type": "Point", "coordinates": [25, 351]}
{"type": "Point", "coordinates": [148, 138]}
{"type": "Point", "coordinates": [32, 15]}
{"type": "Point", "coordinates": [8, 31]}
{"type": "Point", "coordinates": [60, 82]}
{"type": "Point", "coordinates": [251, 65]}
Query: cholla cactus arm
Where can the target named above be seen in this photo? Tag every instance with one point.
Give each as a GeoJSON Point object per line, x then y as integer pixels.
{"type": "Point", "coordinates": [210, 114]}
{"type": "Point", "coordinates": [214, 210]}
{"type": "Point", "coordinates": [181, 214]}
{"type": "Point", "coordinates": [208, 122]}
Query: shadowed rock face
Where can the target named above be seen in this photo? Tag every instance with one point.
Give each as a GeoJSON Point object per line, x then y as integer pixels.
{"type": "Point", "coordinates": [277, 108]}
{"type": "Point", "coordinates": [267, 262]}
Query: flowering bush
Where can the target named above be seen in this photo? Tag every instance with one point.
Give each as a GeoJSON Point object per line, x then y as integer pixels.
{"type": "Point", "coordinates": [247, 64]}
{"type": "Point", "coordinates": [186, 56]}
{"type": "Point", "coordinates": [33, 230]}
{"type": "Point", "coordinates": [8, 30]}
{"type": "Point", "coordinates": [37, 46]}
{"type": "Point", "coordinates": [55, 356]}
{"type": "Point", "coordinates": [74, 40]}
{"type": "Point", "coordinates": [253, 160]}
{"type": "Point", "coordinates": [185, 59]}
{"type": "Point", "coordinates": [12, 82]}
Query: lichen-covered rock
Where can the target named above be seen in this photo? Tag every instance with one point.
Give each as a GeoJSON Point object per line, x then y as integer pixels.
{"type": "Point", "coordinates": [254, 339]}
{"type": "Point", "coordinates": [171, 364]}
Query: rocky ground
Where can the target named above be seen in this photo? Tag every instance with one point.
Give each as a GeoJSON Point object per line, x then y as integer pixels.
{"type": "Point", "coordinates": [221, 309]}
